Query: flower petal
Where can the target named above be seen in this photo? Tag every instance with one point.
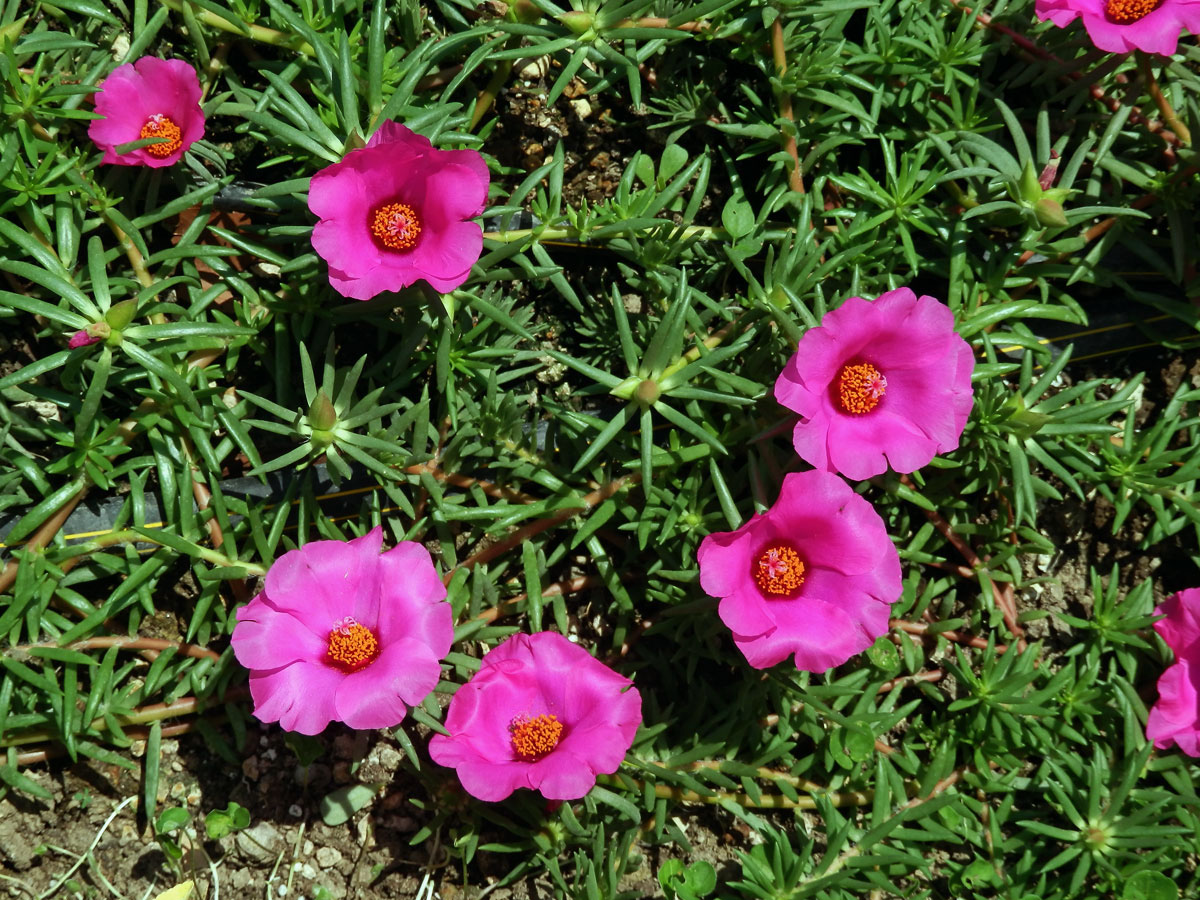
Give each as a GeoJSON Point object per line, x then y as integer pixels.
{"type": "Point", "coordinates": [1175, 718]}
{"type": "Point", "coordinates": [325, 581]}
{"type": "Point", "coordinates": [266, 638]}
{"type": "Point", "coordinates": [413, 599]}
{"type": "Point", "coordinates": [562, 775]}
{"type": "Point", "coordinates": [300, 697]}
{"type": "Point", "coordinates": [379, 695]}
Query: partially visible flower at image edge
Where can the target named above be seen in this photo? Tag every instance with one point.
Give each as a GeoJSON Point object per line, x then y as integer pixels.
{"type": "Point", "coordinates": [343, 632]}
{"type": "Point", "coordinates": [395, 212]}
{"type": "Point", "coordinates": [879, 383]}
{"type": "Point", "coordinates": [1175, 718]}
{"type": "Point", "coordinates": [541, 713]}
{"type": "Point", "coordinates": [1120, 26]}
{"type": "Point", "coordinates": [814, 577]}
{"type": "Point", "coordinates": [152, 97]}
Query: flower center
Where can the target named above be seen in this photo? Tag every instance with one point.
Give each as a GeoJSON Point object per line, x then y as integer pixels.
{"type": "Point", "coordinates": [351, 646]}
{"type": "Point", "coordinates": [1126, 12]}
{"type": "Point", "coordinates": [396, 226]}
{"type": "Point", "coordinates": [160, 126]}
{"type": "Point", "coordinates": [778, 571]}
{"type": "Point", "coordinates": [860, 387]}
{"type": "Point", "coordinates": [533, 738]}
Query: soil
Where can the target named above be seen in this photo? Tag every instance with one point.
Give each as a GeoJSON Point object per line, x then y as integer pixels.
{"type": "Point", "coordinates": [287, 850]}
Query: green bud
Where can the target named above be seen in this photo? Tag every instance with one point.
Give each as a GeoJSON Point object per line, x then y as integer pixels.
{"type": "Point", "coordinates": [579, 22]}
{"type": "Point", "coordinates": [12, 30]}
{"type": "Point", "coordinates": [648, 392]}
{"type": "Point", "coordinates": [321, 414]}
{"type": "Point", "coordinates": [1023, 422]}
{"type": "Point", "coordinates": [1050, 213]}
{"type": "Point", "coordinates": [120, 314]}
{"type": "Point", "coordinates": [526, 13]}
{"type": "Point", "coordinates": [1028, 188]}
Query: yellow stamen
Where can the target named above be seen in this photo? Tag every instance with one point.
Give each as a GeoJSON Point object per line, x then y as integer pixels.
{"type": "Point", "coordinates": [860, 387]}
{"type": "Point", "coordinates": [1126, 12]}
{"type": "Point", "coordinates": [396, 226]}
{"type": "Point", "coordinates": [778, 571]}
{"type": "Point", "coordinates": [352, 646]}
{"type": "Point", "coordinates": [533, 738]}
{"type": "Point", "coordinates": [160, 126]}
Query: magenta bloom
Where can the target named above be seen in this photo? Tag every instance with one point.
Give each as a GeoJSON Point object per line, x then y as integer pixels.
{"type": "Point", "coordinates": [1175, 718]}
{"type": "Point", "coordinates": [83, 339]}
{"type": "Point", "coordinates": [814, 576]}
{"type": "Point", "coordinates": [342, 631]}
{"type": "Point", "coordinates": [395, 212]}
{"type": "Point", "coordinates": [878, 384]}
{"type": "Point", "coordinates": [541, 713]}
{"type": "Point", "coordinates": [150, 98]}
{"type": "Point", "coordinates": [1120, 26]}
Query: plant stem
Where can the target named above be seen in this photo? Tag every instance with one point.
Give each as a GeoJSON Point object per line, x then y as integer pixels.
{"type": "Point", "coordinates": [1005, 598]}
{"type": "Point", "coordinates": [487, 97]}
{"type": "Point", "coordinates": [124, 643]}
{"type": "Point", "coordinates": [184, 706]}
{"type": "Point", "coordinates": [521, 535]}
{"type": "Point", "coordinates": [778, 52]}
{"type": "Point", "coordinates": [1160, 100]}
{"type": "Point", "coordinates": [129, 537]}
{"type": "Point", "coordinates": [44, 535]}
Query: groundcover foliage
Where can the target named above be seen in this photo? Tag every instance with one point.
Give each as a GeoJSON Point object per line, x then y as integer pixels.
{"type": "Point", "coordinates": [564, 429]}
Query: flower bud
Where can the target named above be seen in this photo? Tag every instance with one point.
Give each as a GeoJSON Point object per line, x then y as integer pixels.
{"type": "Point", "coordinates": [120, 314]}
{"type": "Point", "coordinates": [579, 22]}
{"type": "Point", "coordinates": [648, 392]}
{"type": "Point", "coordinates": [321, 414]}
{"type": "Point", "coordinates": [1050, 213]}
{"type": "Point", "coordinates": [1028, 188]}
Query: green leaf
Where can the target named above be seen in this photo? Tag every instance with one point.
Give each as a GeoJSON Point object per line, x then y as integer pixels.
{"type": "Point", "coordinates": [220, 822]}
{"type": "Point", "coordinates": [1150, 885]}
{"type": "Point", "coordinates": [337, 807]}
{"type": "Point", "coordinates": [738, 218]}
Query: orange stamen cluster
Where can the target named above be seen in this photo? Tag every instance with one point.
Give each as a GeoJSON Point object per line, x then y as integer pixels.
{"type": "Point", "coordinates": [160, 126]}
{"type": "Point", "coordinates": [396, 226]}
{"type": "Point", "coordinates": [351, 646]}
{"type": "Point", "coordinates": [778, 571]}
{"type": "Point", "coordinates": [533, 738]}
{"type": "Point", "coordinates": [1126, 12]}
{"type": "Point", "coordinates": [859, 388]}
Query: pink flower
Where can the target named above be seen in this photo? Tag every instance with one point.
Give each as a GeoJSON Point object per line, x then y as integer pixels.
{"type": "Point", "coordinates": [394, 212]}
{"type": "Point", "coordinates": [342, 631]}
{"type": "Point", "coordinates": [540, 713]}
{"type": "Point", "coordinates": [1120, 26]}
{"type": "Point", "coordinates": [83, 339]}
{"type": "Point", "coordinates": [879, 383]}
{"type": "Point", "coordinates": [814, 576]}
{"type": "Point", "coordinates": [1175, 718]}
{"type": "Point", "coordinates": [150, 98]}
